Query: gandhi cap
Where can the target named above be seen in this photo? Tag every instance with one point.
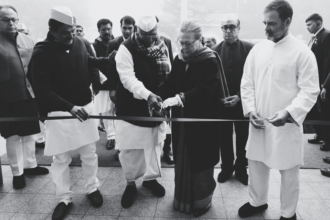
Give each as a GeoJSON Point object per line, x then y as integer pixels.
{"type": "Point", "coordinates": [147, 22]}
{"type": "Point", "coordinates": [62, 14]}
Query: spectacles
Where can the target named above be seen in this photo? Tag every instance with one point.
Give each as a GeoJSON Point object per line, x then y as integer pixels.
{"type": "Point", "coordinates": [230, 27]}
{"type": "Point", "coordinates": [187, 44]}
{"type": "Point", "coordinates": [7, 20]}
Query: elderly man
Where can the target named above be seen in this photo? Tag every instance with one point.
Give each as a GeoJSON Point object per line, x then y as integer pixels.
{"type": "Point", "coordinates": [210, 42]}
{"type": "Point", "coordinates": [102, 100]}
{"type": "Point", "coordinates": [62, 73]}
{"type": "Point", "coordinates": [17, 98]}
{"type": "Point", "coordinates": [280, 83]}
{"type": "Point", "coordinates": [142, 62]}
{"type": "Point", "coordinates": [233, 53]}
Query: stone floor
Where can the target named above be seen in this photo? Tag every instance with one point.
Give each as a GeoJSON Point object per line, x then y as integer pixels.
{"type": "Point", "coordinates": [37, 200]}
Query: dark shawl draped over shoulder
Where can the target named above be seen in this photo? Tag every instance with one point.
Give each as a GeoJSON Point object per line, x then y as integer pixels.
{"type": "Point", "coordinates": [204, 86]}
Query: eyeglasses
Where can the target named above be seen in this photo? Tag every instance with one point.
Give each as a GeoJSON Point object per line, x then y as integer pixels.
{"type": "Point", "coordinates": [187, 44]}
{"type": "Point", "coordinates": [230, 27]}
{"type": "Point", "coordinates": [7, 20]}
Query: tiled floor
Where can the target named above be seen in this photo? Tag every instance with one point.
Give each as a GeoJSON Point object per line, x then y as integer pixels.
{"type": "Point", "coordinates": [37, 200]}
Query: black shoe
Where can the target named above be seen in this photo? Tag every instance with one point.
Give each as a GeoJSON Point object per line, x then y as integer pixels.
{"type": "Point", "coordinates": [242, 176]}
{"type": "Point", "coordinates": [117, 155]}
{"type": "Point", "coordinates": [316, 140]}
{"type": "Point", "coordinates": [168, 158]}
{"type": "Point", "coordinates": [36, 171]}
{"type": "Point", "coordinates": [225, 175]}
{"type": "Point", "coordinates": [111, 144]}
{"type": "Point", "coordinates": [60, 211]}
{"type": "Point", "coordinates": [325, 172]}
{"type": "Point", "coordinates": [292, 218]}
{"type": "Point", "coordinates": [326, 160]}
{"type": "Point", "coordinates": [324, 147]}
{"type": "Point", "coordinates": [101, 129]}
{"type": "Point", "coordinates": [199, 212]}
{"type": "Point", "coordinates": [248, 210]}
{"type": "Point", "coordinates": [128, 196]}
{"type": "Point", "coordinates": [19, 182]}
{"type": "Point", "coordinates": [40, 145]}
{"type": "Point", "coordinates": [96, 199]}
{"type": "Point", "coordinates": [157, 189]}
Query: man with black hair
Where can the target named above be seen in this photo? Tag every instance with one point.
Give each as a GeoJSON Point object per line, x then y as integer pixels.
{"type": "Point", "coordinates": [102, 100]}
{"type": "Point", "coordinates": [17, 98]}
{"type": "Point", "coordinates": [280, 84]}
{"type": "Point", "coordinates": [210, 42]}
{"type": "Point", "coordinates": [62, 75]}
{"type": "Point", "coordinates": [80, 31]}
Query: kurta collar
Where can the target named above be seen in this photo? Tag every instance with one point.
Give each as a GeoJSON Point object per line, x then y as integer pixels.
{"type": "Point", "coordinates": [232, 44]}
{"type": "Point", "coordinates": [284, 40]}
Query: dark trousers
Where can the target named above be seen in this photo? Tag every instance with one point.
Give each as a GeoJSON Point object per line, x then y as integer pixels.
{"type": "Point", "coordinates": [321, 111]}
{"type": "Point", "coordinates": [227, 148]}
{"type": "Point", "coordinates": [167, 144]}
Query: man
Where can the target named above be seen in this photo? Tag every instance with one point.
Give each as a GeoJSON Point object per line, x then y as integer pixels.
{"type": "Point", "coordinates": [17, 99]}
{"type": "Point", "coordinates": [280, 83]}
{"type": "Point", "coordinates": [321, 48]}
{"type": "Point", "coordinates": [127, 24]}
{"type": "Point", "coordinates": [106, 106]}
{"type": "Point", "coordinates": [141, 61]}
{"type": "Point", "coordinates": [233, 53]}
{"type": "Point", "coordinates": [62, 73]}
{"type": "Point", "coordinates": [210, 42]}
{"type": "Point", "coordinates": [80, 31]}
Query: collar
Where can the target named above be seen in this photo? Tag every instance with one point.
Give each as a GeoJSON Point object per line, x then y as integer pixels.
{"type": "Point", "coordinates": [125, 38]}
{"type": "Point", "coordinates": [318, 31]}
{"type": "Point", "coordinates": [285, 39]}
{"type": "Point", "coordinates": [231, 44]}
{"type": "Point", "coordinates": [98, 39]}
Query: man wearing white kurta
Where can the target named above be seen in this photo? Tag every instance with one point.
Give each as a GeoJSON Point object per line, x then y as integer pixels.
{"type": "Point", "coordinates": [140, 142]}
{"type": "Point", "coordinates": [280, 83]}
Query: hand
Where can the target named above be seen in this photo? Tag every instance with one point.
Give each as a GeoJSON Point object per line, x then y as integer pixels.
{"type": "Point", "coordinates": [279, 119]}
{"type": "Point", "coordinates": [256, 121]}
{"type": "Point", "coordinates": [80, 113]}
{"type": "Point", "coordinates": [154, 103]}
{"type": "Point", "coordinates": [232, 101]}
{"type": "Point", "coordinates": [95, 92]}
{"type": "Point", "coordinates": [111, 57]}
{"type": "Point", "coordinates": [170, 102]}
{"type": "Point", "coordinates": [112, 94]}
{"type": "Point", "coordinates": [324, 95]}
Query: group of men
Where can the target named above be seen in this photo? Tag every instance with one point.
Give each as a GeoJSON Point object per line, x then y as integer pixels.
{"type": "Point", "coordinates": [53, 78]}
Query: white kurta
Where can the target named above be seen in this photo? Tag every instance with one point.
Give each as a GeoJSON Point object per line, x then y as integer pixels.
{"type": "Point", "coordinates": [279, 76]}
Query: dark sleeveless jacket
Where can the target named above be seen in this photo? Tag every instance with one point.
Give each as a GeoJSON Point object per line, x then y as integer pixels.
{"type": "Point", "coordinates": [145, 71]}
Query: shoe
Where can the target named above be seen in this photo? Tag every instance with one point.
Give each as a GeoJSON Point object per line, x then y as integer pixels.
{"type": "Point", "coordinates": [19, 182]}
{"type": "Point", "coordinates": [60, 211]}
{"type": "Point", "coordinates": [96, 198]}
{"type": "Point", "coordinates": [117, 155]}
{"type": "Point", "coordinates": [36, 171]}
{"type": "Point", "coordinates": [325, 172]}
{"type": "Point", "coordinates": [199, 212]}
{"type": "Point", "coordinates": [316, 140]}
{"type": "Point", "coordinates": [326, 160]}
{"type": "Point", "coordinates": [128, 196]}
{"type": "Point", "coordinates": [224, 175]}
{"type": "Point", "coordinates": [324, 147]}
{"type": "Point", "coordinates": [248, 210]}
{"type": "Point", "coordinates": [157, 189]}
{"type": "Point", "coordinates": [40, 145]}
{"type": "Point", "coordinates": [101, 130]}
{"type": "Point", "coordinates": [111, 144]}
{"type": "Point", "coordinates": [242, 176]}
{"type": "Point", "coordinates": [292, 218]}
{"type": "Point", "coordinates": [167, 157]}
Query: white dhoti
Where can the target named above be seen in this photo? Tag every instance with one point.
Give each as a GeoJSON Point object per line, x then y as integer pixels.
{"type": "Point", "coordinates": [104, 106]}
{"type": "Point", "coordinates": [140, 150]}
{"type": "Point", "coordinates": [21, 153]}
{"type": "Point", "coordinates": [63, 136]}
{"type": "Point", "coordinates": [259, 182]}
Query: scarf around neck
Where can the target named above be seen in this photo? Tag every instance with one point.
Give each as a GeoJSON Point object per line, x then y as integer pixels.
{"type": "Point", "coordinates": [197, 56]}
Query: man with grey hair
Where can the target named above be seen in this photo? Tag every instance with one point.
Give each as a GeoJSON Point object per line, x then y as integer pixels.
{"type": "Point", "coordinates": [17, 98]}
{"type": "Point", "coordinates": [280, 84]}
{"type": "Point", "coordinates": [233, 53]}
{"type": "Point", "coordinates": [142, 62]}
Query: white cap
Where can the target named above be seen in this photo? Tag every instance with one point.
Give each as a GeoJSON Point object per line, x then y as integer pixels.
{"type": "Point", "coordinates": [21, 26]}
{"type": "Point", "coordinates": [62, 14]}
{"type": "Point", "coordinates": [231, 16]}
{"type": "Point", "coordinates": [147, 22]}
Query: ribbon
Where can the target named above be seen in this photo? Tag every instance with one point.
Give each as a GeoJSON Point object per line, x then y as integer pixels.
{"type": "Point", "coordinates": [153, 119]}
